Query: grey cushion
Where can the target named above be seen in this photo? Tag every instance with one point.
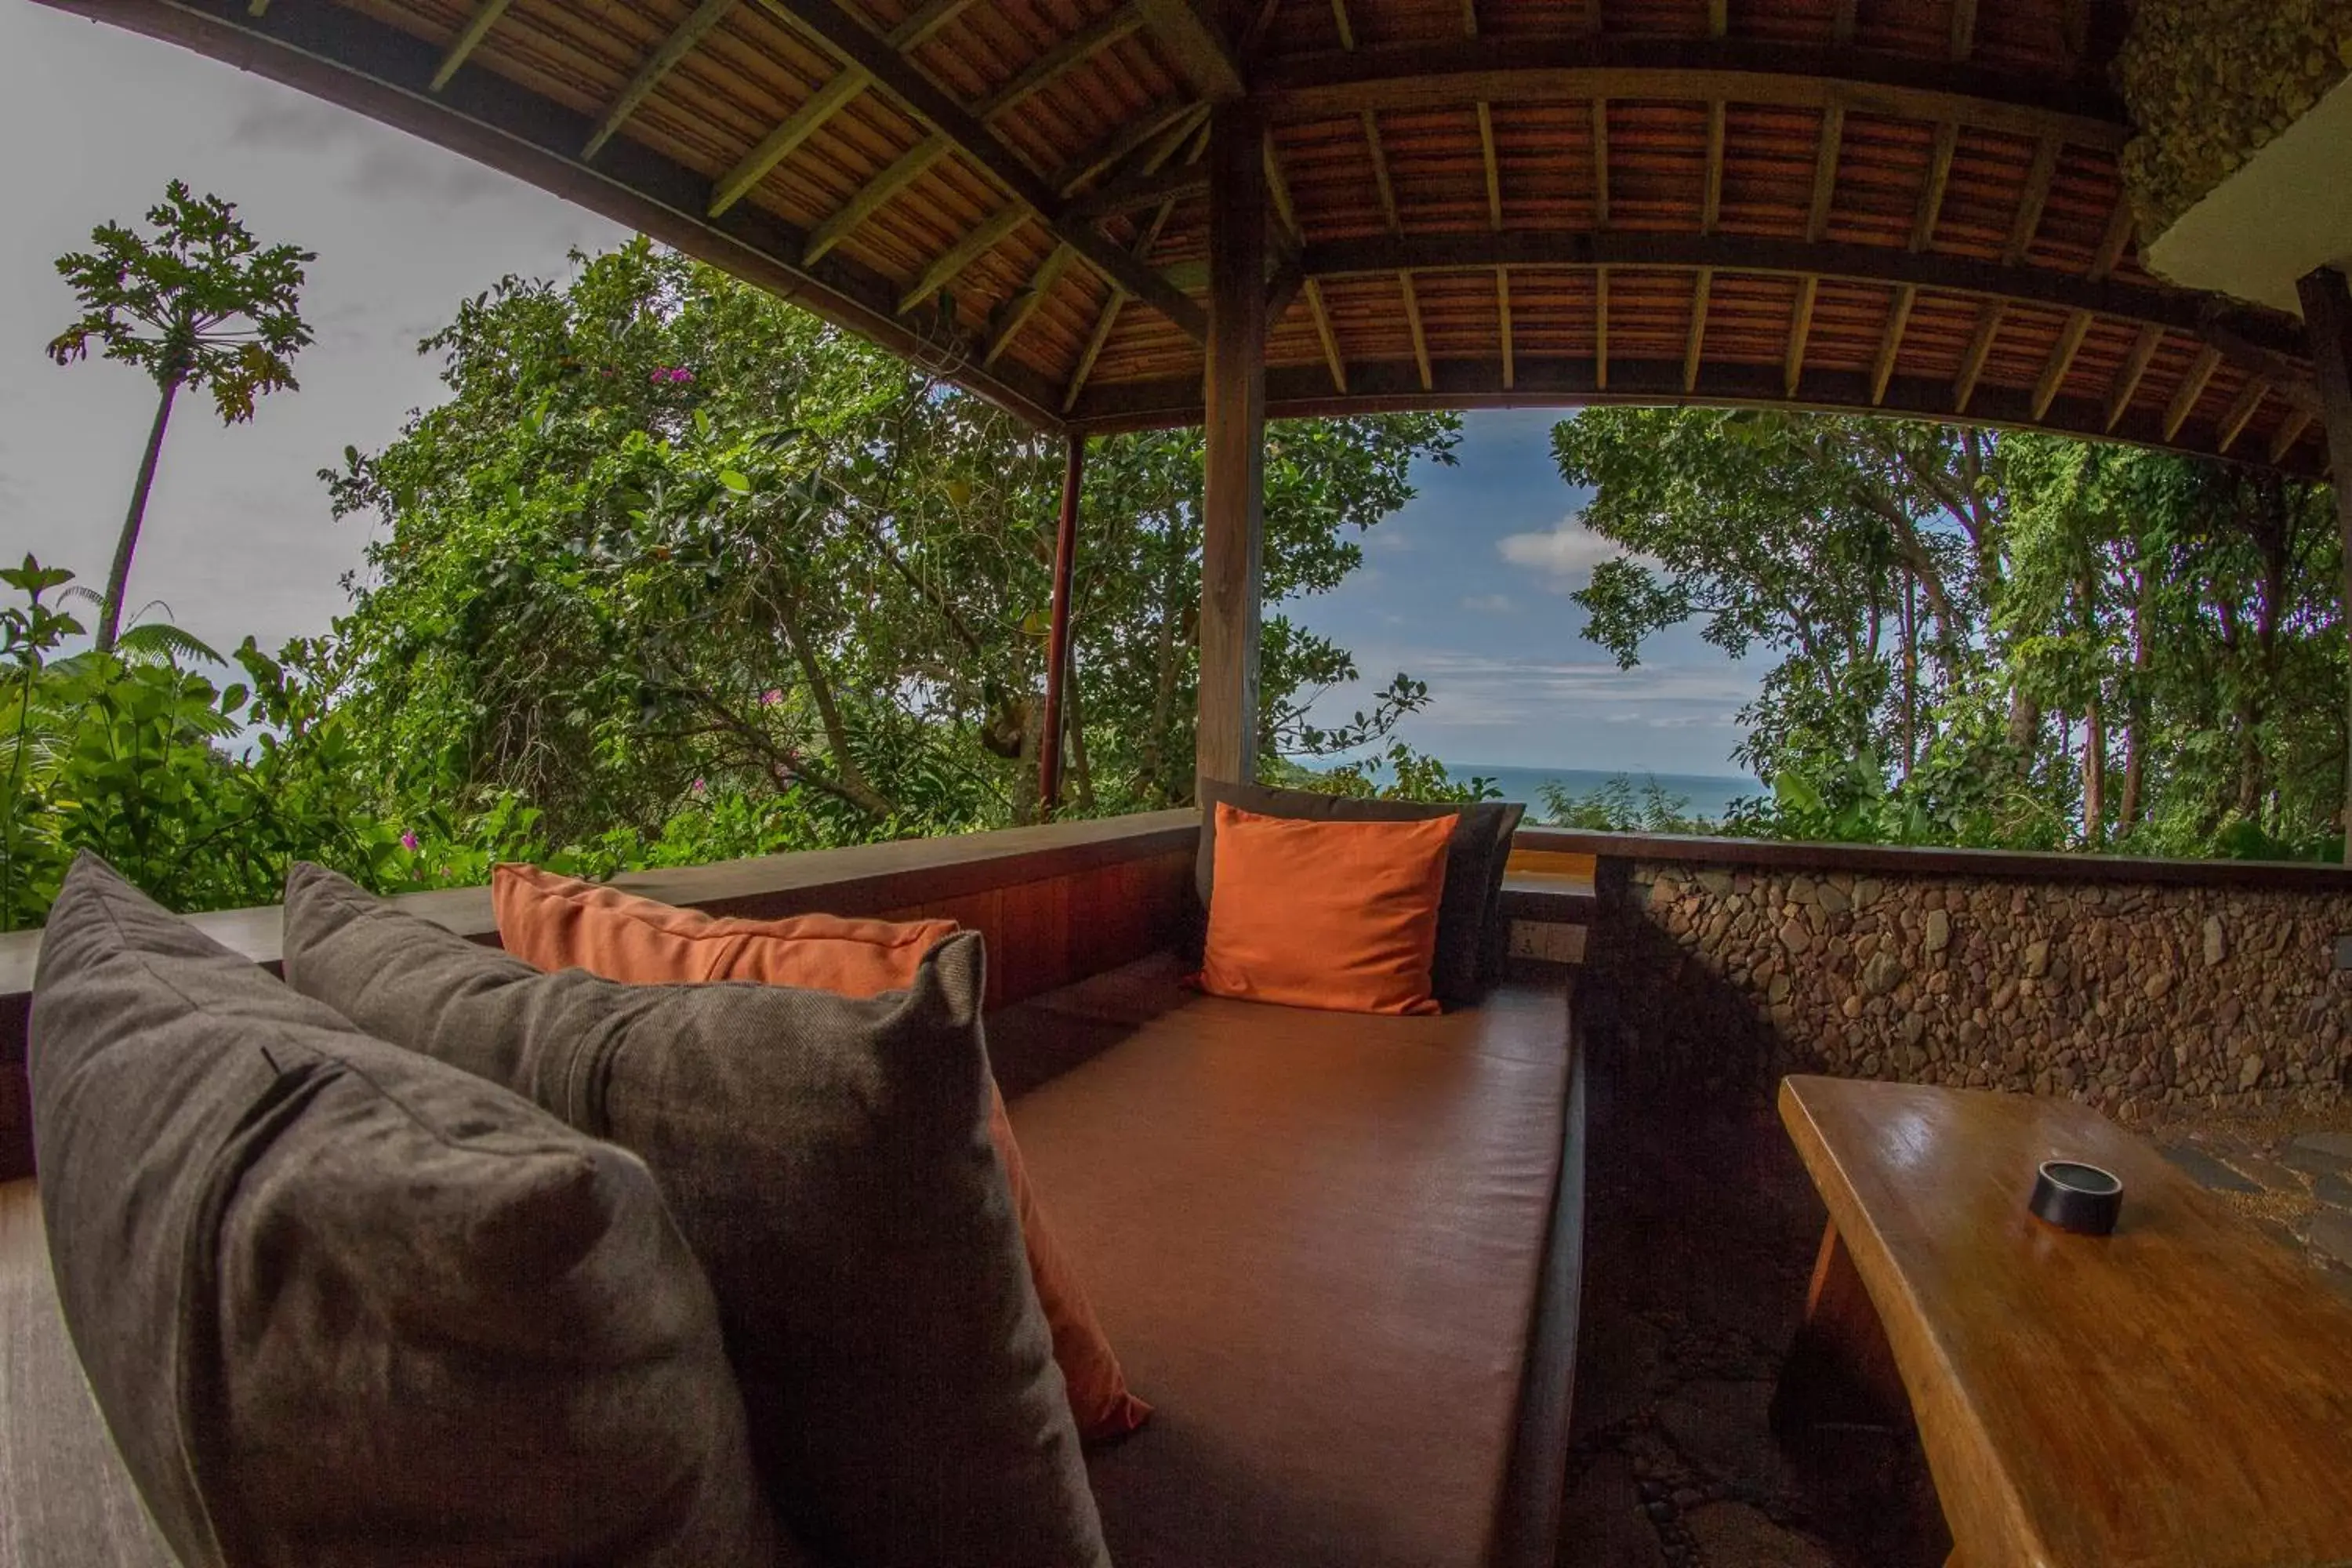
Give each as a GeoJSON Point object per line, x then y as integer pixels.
{"type": "Point", "coordinates": [340, 1304]}
{"type": "Point", "coordinates": [1469, 913]}
{"type": "Point", "coordinates": [829, 1160]}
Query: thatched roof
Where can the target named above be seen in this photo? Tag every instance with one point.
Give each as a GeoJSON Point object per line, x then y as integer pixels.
{"type": "Point", "coordinates": [1903, 205]}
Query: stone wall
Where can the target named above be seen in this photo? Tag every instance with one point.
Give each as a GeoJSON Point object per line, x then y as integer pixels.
{"type": "Point", "coordinates": [2128, 995]}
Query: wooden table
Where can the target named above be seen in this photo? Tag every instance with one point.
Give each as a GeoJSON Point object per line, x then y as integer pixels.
{"type": "Point", "coordinates": [2179, 1392]}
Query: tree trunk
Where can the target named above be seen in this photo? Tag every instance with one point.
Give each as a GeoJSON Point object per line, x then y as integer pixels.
{"type": "Point", "coordinates": [1074, 725]}
{"type": "Point", "coordinates": [2136, 710]}
{"type": "Point", "coordinates": [854, 785]}
{"type": "Point", "coordinates": [1910, 671]}
{"type": "Point", "coordinates": [2094, 775]}
{"type": "Point", "coordinates": [118, 578]}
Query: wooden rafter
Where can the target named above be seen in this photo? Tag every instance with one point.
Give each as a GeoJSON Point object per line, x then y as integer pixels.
{"type": "Point", "coordinates": [1143, 190]}
{"type": "Point", "coordinates": [1469, 18]}
{"type": "Point", "coordinates": [849, 39]}
{"type": "Point", "coordinates": [2192, 387]}
{"type": "Point", "coordinates": [1842, 23]}
{"type": "Point", "coordinates": [1260, 25]}
{"type": "Point", "coordinates": [2134, 371]}
{"type": "Point", "coordinates": [1718, 18]}
{"type": "Point", "coordinates": [2291, 429]}
{"type": "Point", "coordinates": [469, 39]}
{"type": "Point", "coordinates": [1600, 328]}
{"type": "Point", "coordinates": [873, 196]}
{"type": "Point", "coordinates": [1972, 363]}
{"type": "Point", "coordinates": [1169, 120]}
{"type": "Point", "coordinates": [682, 42]}
{"type": "Point", "coordinates": [1018, 311]}
{"type": "Point", "coordinates": [2062, 360]}
{"type": "Point", "coordinates": [1711, 199]}
{"type": "Point", "coordinates": [1502, 320]}
{"type": "Point", "coordinates": [2031, 200]}
{"type": "Point", "coordinates": [1071, 51]}
{"type": "Point", "coordinates": [1931, 192]}
{"type": "Point", "coordinates": [1346, 29]}
{"type": "Point", "coordinates": [990, 233]}
{"type": "Point", "coordinates": [1573, 67]}
{"type": "Point", "coordinates": [2114, 241]}
{"type": "Point", "coordinates": [1140, 251]}
{"type": "Point", "coordinates": [1601, 162]}
{"type": "Point", "coordinates": [1964, 28]}
{"type": "Point", "coordinates": [2240, 412]}
{"type": "Point", "coordinates": [1890, 342]}
{"type": "Point", "coordinates": [1695, 346]}
{"type": "Point", "coordinates": [927, 19]}
{"type": "Point", "coordinates": [1325, 335]}
{"type": "Point", "coordinates": [1825, 171]}
{"type": "Point", "coordinates": [1800, 329]}
{"type": "Point", "coordinates": [779, 143]}
{"type": "Point", "coordinates": [1199, 46]}
{"type": "Point", "coordinates": [1494, 168]}
{"type": "Point", "coordinates": [1381, 171]}
{"type": "Point", "coordinates": [1413, 322]}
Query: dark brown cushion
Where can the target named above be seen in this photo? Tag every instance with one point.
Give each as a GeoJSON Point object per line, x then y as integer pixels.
{"type": "Point", "coordinates": [1467, 958]}
{"type": "Point", "coordinates": [828, 1159]}
{"type": "Point", "coordinates": [342, 1304]}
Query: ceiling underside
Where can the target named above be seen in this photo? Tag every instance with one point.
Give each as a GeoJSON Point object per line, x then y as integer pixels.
{"type": "Point", "coordinates": [1909, 205]}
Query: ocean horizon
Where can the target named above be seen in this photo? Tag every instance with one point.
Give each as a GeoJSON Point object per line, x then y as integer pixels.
{"type": "Point", "coordinates": [1709, 796]}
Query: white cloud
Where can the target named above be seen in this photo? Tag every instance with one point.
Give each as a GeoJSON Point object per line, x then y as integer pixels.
{"type": "Point", "coordinates": [1563, 556]}
{"type": "Point", "coordinates": [1489, 604]}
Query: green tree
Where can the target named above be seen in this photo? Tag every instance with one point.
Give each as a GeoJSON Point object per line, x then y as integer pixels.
{"type": "Point", "coordinates": [199, 305]}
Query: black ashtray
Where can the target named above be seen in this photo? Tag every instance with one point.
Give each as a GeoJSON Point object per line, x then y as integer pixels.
{"type": "Point", "coordinates": [2077, 1197]}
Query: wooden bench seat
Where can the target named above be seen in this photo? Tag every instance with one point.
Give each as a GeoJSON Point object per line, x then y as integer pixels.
{"type": "Point", "coordinates": [1337, 1252]}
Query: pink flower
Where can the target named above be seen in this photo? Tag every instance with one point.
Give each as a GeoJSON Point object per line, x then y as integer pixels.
{"type": "Point", "coordinates": [408, 841]}
{"type": "Point", "coordinates": [697, 788]}
{"type": "Point", "coordinates": [770, 696]}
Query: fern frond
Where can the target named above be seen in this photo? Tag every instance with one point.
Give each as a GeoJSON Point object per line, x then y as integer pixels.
{"type": "Point", "coordinates": [160, 642]}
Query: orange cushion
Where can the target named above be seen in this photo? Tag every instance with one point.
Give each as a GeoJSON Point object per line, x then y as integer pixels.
{"type": "Point", "coordinates": [1339, 915]}
{"type": "Point", "coordinates": [561, 922]}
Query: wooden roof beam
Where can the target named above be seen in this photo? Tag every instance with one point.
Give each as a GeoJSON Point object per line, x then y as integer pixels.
{"type": "Point", "coordinates": [845, 37]}
{"type": "Point", "coordinates": [1601, 162]}
{"type": "Point", "coordinates": [2192, 387]}
{"type": "Point", "coordinates": [1381, 171]}
{"type": "Point", "coordinates": [1972, 363]}
{"type": "Point", "coordinates": [991, 232]}
{"type": "Point", "coordinates": [1493, 167]}
{"type": "Point", "coordinates": [1695, 346]}
{"type": "Point", "coordinates": [2240, 412]}
{"type": "Point", "coordinates": [2290, 431]}
{"type": "Point", "coordinates": [1167, 120]}
{"type": "Point", "coordinates": [1718, 18]}
{"type": "Point", "coordinates": [1964, 28]}
{"type": "Point", "coordinates": [873, 196]}
{"type": "Point", "coordinates": [2133, 372]}
{"type": "Point", "coordinates": [1413, 322]}
{"type": "Point", "coordinates": [1503, 322]}
{"type": "Point", "coordinates": [1071, 51]}
{"type": "Point", "coordinates": [1575, 67]}
{"type": "Point", "coordinates": [1600, 328]}
{"type": "Point", "coordinates": [1825, 171]}
{"type": "Point", "coordinates": [469, 39]}
{"type": "Point", "coordinates": [682, 42]}
{"type": "Point", "coordinates": [1202, 57]}
{"type": "Point", "coordinates": [927, 19]}
{"type": "Point", "coordinates": [779, 143]}
{"type": "Point", "coordinates": [1140, 191]}
{"type": "Point", "coordinates": [1931, 192]}
{"type": "Point", "coordinates": [2113, 242]}
{"type": "Point", "coordinates": [1890, 342]}
{"type": "Point", "coordinates": [1255, 34]}
{"type": "Point", "coordinates": [2031, 200]}
{"type": "Point", "coordinates": [2062, 360]}
{"type": "Point", "coordinates": [1801, 328]}
{"type": "Point", "coordinates": [1842, 23]}
{"type": "Point", "coordinates": [1324, 335]}
{"type": "Point", "coordinates": [1346, 29]}
{"type": "Point", "coordinates": [1022, 306]}
{"type": "Point", "coordinates": [1711, 197]}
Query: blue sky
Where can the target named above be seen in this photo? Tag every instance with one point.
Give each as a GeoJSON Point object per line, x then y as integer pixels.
{"type": "Point", "coordinates": [1466, 588]}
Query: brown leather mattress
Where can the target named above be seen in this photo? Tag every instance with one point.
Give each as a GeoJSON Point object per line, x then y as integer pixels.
{"type": "Point", "coordinates": [1318, 1243]}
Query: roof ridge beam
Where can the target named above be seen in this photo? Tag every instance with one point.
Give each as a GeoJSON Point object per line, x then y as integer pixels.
{"type": "Point", "coordinates": [1574, 67]}
{"type": "Point", "coordinates": [847, 37]}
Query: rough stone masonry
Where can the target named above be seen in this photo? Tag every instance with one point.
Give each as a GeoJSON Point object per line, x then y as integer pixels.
{"type": "Point", "coordinates": [2127, 995]}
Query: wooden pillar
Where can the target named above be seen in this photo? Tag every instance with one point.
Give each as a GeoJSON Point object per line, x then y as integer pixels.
{"type": "Point", "coordinates": [2328, 321]}
{"type": "Point", "coordinates": [1232, 507]}
{"type": "Point", "coordinates": [1057, 640]}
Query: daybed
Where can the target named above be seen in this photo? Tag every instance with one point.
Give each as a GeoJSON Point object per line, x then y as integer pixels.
{"type": "Point", "coordinates": [1338, 1253]}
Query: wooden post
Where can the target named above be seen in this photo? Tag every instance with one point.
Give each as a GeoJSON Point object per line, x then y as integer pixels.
{"type": "Point", "coordinates": [1233, 508]}
{"type": "Point", "coordinates": [1057, 640]}
{"type": "Point", "coordinates": [2328, 320]}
